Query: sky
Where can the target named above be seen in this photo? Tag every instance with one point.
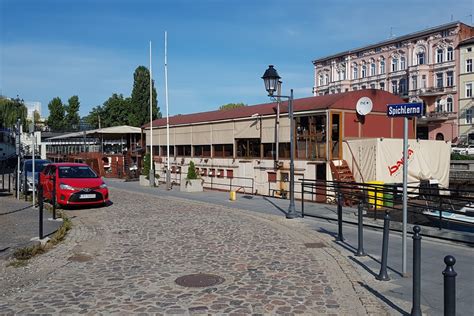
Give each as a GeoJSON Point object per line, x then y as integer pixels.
{"type": "Point", "coordinates": [217, 49]}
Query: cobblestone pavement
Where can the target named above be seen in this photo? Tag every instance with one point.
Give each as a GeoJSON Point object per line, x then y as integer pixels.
{"type": "Point", "coordinates": [125, 258]}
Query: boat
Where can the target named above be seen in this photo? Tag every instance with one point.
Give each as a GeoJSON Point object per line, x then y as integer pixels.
{"type": "Point", "coordinates": [462, 219]}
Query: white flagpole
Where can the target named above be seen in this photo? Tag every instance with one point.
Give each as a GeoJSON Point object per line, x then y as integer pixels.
{"type": "Point", "coordinates": [168, 169]}
{"type": "Point", "coordinates": [152, 173]}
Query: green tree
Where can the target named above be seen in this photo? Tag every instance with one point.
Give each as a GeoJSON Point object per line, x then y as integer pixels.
{"type": "Point", "coordinates": [191, 171]}
{"type": "Point", "coordinates": [95, 115]}
{"type": "Point", "coordinates": [56, 114]}
{"type": "Point", "coordinates": [72, 113]}
{"type": "Point", "coordinates": [231, 106]}
{"type": "Point", "coordinates": [139, 112]}
{"type": "Point", "coordinates": [11, 110]}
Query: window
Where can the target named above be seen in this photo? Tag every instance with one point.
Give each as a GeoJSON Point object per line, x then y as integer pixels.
{"type": "Point", "coordinates": [468, 65]}
{"type": "Point", "coordinates": [164, 151]}
{"type": "Point", "coordinates": [469, 49]}
{"type": "Point", "coordinates": [394, 64]}
{"type": "Point", "coordinates": [183, 150]}
{"type": "Point", "coordinates": [382, 86]}
{"type": "Point", "coordinates": [363, 87]}
{"type": "Point", "coordinates": [402, 63]}
{"type": "Point", "coordinates": [420, 58]}
{"type": "Point", "coordinates": [403, 86]}
{"type": "Point", "coordinates": [449, 104]}
{"type": "Point", "coordinates": [248, 148]}
{"type": "Point", "coordinates": [223, 150]}
{"type": "Point", "coordinates": [439, 55]}
{"type": "Point", "coordinates": [202, 151]}
{"type": "Point", "coordinates": [372, 86]}
{"type": "Point", "coordinates": [439, 106]}
{"type": "Point", "coordinates": [364, 71]}
{"type": "Point", "coordinates": [382, 66]}
{"type": "Point", "coordinates": [378, 50]}
{"type": "Point", "coordinates": [468, 116]}
{"type": "Point", "coordinates": [354, 88]}
{"type": "Point", "coordinates": [414, 81]}
{"type": "Point", "coordinates": [321, 80]}
{"type": "Point", "coordinates": [326, 79]}
{"type": "Point", "coordinates": [284, 150]}
{"type": "Point", "coordinates": [439, 80]}
{"type": "Point", "coordinates": [468, 90]}
{"type": "Point", "coordinates": [372, 69]}
{"type": "Point", "coordinates": [355, 72]}
{"type": "Point", "coordinates": [394, 87]}
{"type": "Point", "coordinates": [449, 79]}
{"type": "Point", "coordinates": [450, 54]}
{"type": "Point", "coordinates": [423, 81]}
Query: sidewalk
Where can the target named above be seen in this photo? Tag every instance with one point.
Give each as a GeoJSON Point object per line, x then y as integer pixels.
{"type": "Point", "coordinates": [396, 294]}
{"type": "Point", "coordinates": [19, 222]}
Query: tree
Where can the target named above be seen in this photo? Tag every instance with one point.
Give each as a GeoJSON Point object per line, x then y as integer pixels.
{"type": "Point", "coordinates": [139, 112]}
{"type": "Point", "coordinates": [72, 113]}
{"type": "Point", "coordinates": [10, 111]}
{"type": "Point", "coordinates": [95, 115]}
{"type": "Point", "coordinates": [231, 106]}
{"type": "Point", "coordinates": [56, 114]}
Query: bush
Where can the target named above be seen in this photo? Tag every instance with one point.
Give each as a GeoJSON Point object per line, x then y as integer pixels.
{"type": "Point", "coordinates": [191, 171]}
{"type": "Point", "coordinates": [458, 156]}
{"type": "Point", "coordinates": [146, 165]}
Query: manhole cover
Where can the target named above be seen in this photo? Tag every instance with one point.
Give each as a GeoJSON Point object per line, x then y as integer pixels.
{"type": "Point", "coordinates": [80, 258]}
{"type": "Point", "coordinates": [314, 245]}
{"type": "Point", "coordinates": [199, 280]}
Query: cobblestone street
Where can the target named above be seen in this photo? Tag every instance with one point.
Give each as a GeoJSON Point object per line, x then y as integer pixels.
{"type": "Point", "coordinates": [125, 259]}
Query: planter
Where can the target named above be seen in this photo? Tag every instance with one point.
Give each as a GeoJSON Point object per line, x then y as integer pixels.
{"type": "Point", "coordinates": [146, 183]}
{"type": "Point", "coordinates": [194, 185]}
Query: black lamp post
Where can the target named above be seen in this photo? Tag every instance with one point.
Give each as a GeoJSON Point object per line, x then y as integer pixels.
{"type": "Point", "coordinates": [271, 79]}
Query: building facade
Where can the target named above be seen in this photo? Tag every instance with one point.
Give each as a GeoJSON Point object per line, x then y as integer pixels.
{"type": "Point", "coordinates": [466, 86]}
{"type": "Point", "coordinates": [248, 148]}
{"type": "Point", "coordinates": [419, 67]}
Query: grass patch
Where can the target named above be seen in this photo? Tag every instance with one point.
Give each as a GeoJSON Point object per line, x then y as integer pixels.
{"type": "Point", "coordinates": [22, 255]}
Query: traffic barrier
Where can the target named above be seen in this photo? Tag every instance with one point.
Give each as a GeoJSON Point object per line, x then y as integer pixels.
{"type": "Point", "coordinates": [416, 309]}
{"type": "Point", "coordinates": [449, 286]}
{"type": "Point", "coordinates": [383, 276]}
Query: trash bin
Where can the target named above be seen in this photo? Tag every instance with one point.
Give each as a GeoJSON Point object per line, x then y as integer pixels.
{"type": "Point", "coordinates": [232, 196]}
{"type": "Point", "coordinates": [375, 192]}
{"type": "Point", "coordinates": [388, 195]}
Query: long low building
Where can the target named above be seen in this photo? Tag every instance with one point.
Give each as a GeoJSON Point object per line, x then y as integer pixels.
{"type": "Point", "coordinates": [248, 148]}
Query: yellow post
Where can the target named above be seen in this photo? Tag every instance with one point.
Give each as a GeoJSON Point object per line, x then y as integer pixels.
{"type": "Point", "coordinates": [232, 196]}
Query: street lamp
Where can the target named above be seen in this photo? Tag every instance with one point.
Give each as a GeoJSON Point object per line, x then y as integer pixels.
{"type": "Point", "coordinates": [271, 80]}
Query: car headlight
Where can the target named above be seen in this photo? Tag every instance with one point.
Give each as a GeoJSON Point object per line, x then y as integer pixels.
{"type": "Point", "coordinates": [64, 186]}
{"type": "Point", "coordinates": [103, 186]}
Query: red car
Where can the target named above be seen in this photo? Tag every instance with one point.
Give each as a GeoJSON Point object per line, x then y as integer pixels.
{"type": "Point", "coordinates": [76, 184]}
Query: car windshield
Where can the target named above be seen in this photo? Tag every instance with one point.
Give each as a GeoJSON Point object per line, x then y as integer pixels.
{"type": "Point", "coordinates": [76, 172]}
{"type": "Point", "coordinates": [39, 165]}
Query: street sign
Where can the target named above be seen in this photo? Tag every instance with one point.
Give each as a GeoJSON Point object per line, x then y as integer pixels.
{"type": "Point", "coordinates": [405, 109]}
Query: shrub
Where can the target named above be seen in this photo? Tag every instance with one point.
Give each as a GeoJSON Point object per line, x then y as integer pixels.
{"type": "Point", "coordinates": [191, 171]}
{"type": "Point", "coordinates": [146, 165]}
{"type": "Point", "coordinates": [458, 156]}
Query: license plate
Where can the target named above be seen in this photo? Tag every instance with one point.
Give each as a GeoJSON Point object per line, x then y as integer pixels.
{"type": "Point", "coordinates": [87, 196]}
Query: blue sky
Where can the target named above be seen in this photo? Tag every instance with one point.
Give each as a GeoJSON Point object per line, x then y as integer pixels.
{"type": "Point", "coordinates": [217, 49]}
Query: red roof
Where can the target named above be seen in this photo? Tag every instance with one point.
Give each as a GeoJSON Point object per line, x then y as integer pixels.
{"type": "Point", "coordinates": [339, 101]}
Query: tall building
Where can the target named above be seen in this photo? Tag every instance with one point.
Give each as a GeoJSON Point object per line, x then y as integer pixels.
{"type": "Point", "coordinates": [466, 86]}
{"type": "Point", "coordinates": [420, 67]}
{"type": "Point", "coordinates": [33, 106]}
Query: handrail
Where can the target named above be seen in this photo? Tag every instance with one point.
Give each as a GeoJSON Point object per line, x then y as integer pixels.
{"type": "Point", "coordinates": [353, 160]}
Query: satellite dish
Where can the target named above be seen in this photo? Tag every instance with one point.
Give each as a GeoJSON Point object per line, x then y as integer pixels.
{"type": "Point", "coordinates": [364, 106]}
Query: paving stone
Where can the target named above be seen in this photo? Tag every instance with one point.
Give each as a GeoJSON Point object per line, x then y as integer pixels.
{"type": "Point", "coordinates": [142, 243]}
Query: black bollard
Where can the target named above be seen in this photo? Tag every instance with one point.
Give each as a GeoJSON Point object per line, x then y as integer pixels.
{"type": "Point", "coordinates": [9, 182]}
{"type": "Point", "coordinates": [449, 286]}
{"type": "Point", "coordinates": [53, 197]}
{"type": "Point", "coordinates": [340, 237]}
{"type": "Point", "coordinates": [383, 276]}
{"type": "Point", "coordinates": [3, 182]}
{"type": "Point", "coordinates": [40, 204]}
{"type": "Point", "coordinates": [416, 309]}
{"type": "Point", "coordinates": [360, 232]}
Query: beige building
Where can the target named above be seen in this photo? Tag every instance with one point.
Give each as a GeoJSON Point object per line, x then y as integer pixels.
{"type": "Point", "coordinates": [466, 86]}
{"type": "Point", "coordinates": [420, 67]}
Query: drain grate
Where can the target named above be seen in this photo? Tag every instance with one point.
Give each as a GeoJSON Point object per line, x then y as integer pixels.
{"type": "Point", "coordinates": [315, 245]}
{"type": "Point", "coordinates": [199, 280]}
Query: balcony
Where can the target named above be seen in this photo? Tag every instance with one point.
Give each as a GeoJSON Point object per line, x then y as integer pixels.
{"type": "Point", "coordinates": [438, 117]}
{"type": "Point", "coordinates": [432, 91]}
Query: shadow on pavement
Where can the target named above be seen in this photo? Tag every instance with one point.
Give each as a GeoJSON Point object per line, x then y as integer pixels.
{"type": "Point", "coordinates": [384, 299]}
{"type": "Point", "coordinates": [276, 206]}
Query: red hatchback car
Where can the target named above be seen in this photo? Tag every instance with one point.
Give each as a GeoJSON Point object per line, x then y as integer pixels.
{"type": "Point", "coordinates": [76, 184]}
